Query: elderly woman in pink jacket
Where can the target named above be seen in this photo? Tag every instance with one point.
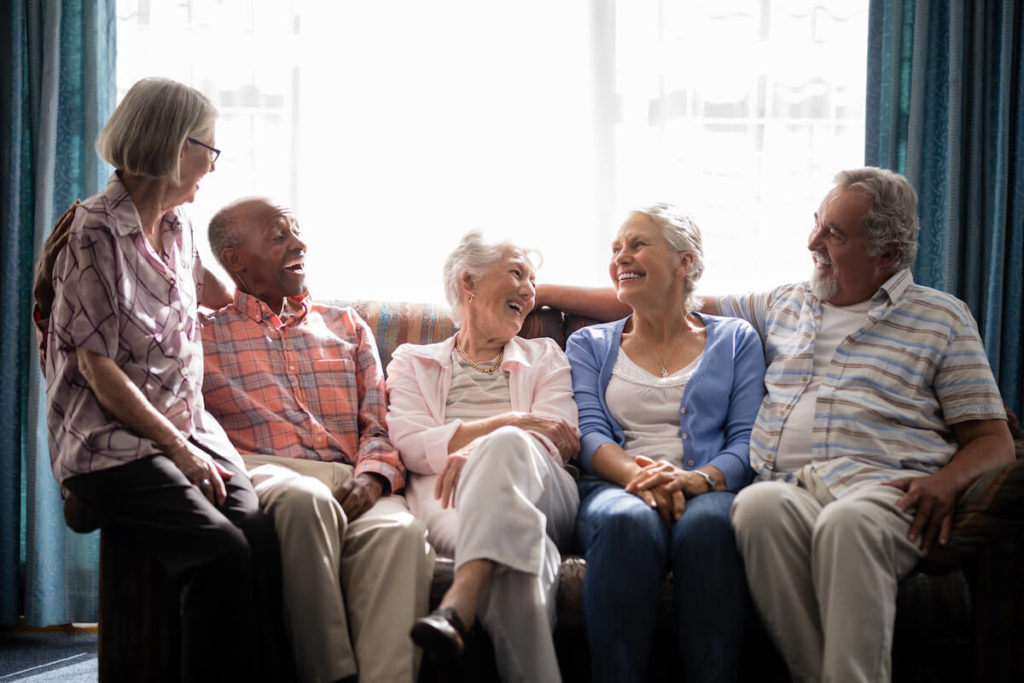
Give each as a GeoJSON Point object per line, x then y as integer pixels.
{"type": "Point", "coordinates": [485, 422]}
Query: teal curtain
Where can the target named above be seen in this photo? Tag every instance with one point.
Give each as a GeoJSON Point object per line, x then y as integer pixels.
{"type": "Point", "coordinates": [945, 107]}
{"type": "Point", "coordinates": [58, 69]}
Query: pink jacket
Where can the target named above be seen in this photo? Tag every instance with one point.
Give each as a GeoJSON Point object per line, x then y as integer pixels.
{"type": "Point", "coordinates": [420, 376]}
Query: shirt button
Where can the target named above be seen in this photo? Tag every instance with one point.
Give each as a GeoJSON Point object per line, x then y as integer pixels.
{"type": "Point", "coordinates": [685, 436]}
{"type": "Point", "coordinates": [682, 411]}
{"type": "Point", "coordinates": [291, 368]}
{"type": "Point", "coordinates": [690, 462]}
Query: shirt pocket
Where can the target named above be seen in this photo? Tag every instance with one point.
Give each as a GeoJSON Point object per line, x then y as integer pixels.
{"type": "Point", "coordinates": [333, 389]}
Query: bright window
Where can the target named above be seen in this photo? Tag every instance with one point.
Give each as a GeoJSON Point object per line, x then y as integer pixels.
{"type": "Point", "coordinates": [392, 127]}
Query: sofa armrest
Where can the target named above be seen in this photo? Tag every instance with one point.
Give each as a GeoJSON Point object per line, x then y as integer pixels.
{"type": "Point", "coordinates": [991, 506]}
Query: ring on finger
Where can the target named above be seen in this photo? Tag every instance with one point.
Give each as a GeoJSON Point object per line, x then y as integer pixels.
{"type": "Point", "coordinates": [204, 484]}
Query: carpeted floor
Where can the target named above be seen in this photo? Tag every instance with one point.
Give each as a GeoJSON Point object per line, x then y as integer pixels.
{"type": "Point", "coordinates": [47, 656]}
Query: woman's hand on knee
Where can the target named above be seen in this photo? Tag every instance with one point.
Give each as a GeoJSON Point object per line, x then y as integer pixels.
{"type": "Point", "coordinates": [563, 435]}
{"type": "Point", "coordinates": [200, 469]}
{"type": "Point", "coordinates": [448, 479]}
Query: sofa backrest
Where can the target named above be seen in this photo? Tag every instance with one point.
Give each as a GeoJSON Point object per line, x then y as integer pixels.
{"type": "Point", "coordinates": [400, 322]}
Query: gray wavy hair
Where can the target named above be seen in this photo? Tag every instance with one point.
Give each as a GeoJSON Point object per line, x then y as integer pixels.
{"type": "Point", "coordinates": [682, 234]}
{"type": "Point", "coordinates": [476, 256]}
{"type": "Point", "coordinates": [893, 213]}
{"type": "Point", "coordinates": [146, 132]}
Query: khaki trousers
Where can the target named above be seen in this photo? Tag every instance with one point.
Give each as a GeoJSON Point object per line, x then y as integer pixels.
{"type": "Point", "coordinates": [824, 572]}
{"type": "Point", "coordinates": [352, 588]}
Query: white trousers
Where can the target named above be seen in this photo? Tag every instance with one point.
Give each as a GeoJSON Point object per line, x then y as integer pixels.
{"type": "Point", "coordinates": [824, 572]}
{"type": "Point", "coordinates": [352, 589]}
{"type": "Point", "coordinates": [514, 505]}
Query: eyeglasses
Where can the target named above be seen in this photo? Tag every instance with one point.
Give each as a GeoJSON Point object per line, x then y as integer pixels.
{"type": "Point", "coordinates": [214, 152]}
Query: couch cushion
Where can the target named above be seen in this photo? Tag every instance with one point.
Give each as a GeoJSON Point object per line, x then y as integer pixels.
{"type": "Point", "coordinates": [396, 322]}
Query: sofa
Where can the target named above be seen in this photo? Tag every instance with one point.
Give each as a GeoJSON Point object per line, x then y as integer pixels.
{"type": "Point", "coordinates": [960, 615]}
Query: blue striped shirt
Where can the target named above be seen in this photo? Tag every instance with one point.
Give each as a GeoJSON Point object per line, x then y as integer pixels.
{"type": "Point", "coordinates": [891, 391]}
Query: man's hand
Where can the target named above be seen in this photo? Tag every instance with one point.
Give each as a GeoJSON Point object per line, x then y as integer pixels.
{"type": "Point", "coordinates": [448, 479]}
{"type": "Point", "coordinates": [358, 494]}
{"type": "Point", "coordinates": [560, 432]}
{"type": "Point", "coordinates": [984, 445]}
{"type": "Point", "coordinates": [933, 500]}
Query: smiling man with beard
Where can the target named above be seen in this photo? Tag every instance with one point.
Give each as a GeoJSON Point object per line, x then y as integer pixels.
{"type": "Point", "coordinates": [299, 389]}
{"type": "Point", "coordinates": [881, 411]}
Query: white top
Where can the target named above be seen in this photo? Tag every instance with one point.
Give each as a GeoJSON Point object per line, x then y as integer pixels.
{"type": "Point", "coordinates": [796, 441]}
{"type": "Point", "coordinates": [646, 406]}
{"type": "Point", "coordinates": [475, 394]}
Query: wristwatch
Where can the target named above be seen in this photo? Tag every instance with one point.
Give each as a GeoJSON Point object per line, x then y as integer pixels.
{"type": "Point", "coordinates": [710, 479]}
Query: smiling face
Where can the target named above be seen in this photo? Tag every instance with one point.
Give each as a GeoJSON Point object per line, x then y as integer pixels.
{"type": "Point", "coordinates": [195, 163]}
{"type": "Point", "coordinates": [502, 297]}
{"type": "Point", "coordinates": [269, 259]}
{"type": "Point", "coordinates": [644, 266]}
{"type": "Point", "coordinates": [845, 271]}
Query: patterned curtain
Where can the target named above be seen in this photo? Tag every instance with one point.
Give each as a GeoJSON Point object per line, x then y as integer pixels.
{"type": "Point", "coordinates": [945, 106]}
{"type": "Point", "coordinates": [58, 66]}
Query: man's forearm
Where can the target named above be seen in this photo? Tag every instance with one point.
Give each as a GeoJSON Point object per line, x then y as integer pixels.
{"type": "Point", "coordinates": [599, 303]}
{"type": "Point", "coordinates": [984, 445]}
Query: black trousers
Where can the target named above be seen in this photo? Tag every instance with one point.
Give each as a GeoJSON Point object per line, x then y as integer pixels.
{"type": "Point", "coordinates": [226, 558]}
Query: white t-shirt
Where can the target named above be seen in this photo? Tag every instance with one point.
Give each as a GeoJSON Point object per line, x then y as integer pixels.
{"type": "Point", "coordinates": [647, 408]}
{"type": "Point", "coordinates": [796, 440]}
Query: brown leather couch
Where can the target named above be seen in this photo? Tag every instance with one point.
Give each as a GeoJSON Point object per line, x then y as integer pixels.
{"type": "Point", "coordinates": [960, 617]}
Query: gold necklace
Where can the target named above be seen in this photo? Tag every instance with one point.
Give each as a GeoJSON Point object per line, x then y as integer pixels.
{"type": "Point", "coordinates": [476, 366]}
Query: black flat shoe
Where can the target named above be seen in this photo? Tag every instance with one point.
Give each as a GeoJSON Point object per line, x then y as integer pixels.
{"type": "Point", "coordinates": [441, 634]}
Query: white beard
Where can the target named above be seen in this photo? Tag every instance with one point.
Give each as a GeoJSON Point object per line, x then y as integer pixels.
{"type": "Point", "coordinates": [823, 287]}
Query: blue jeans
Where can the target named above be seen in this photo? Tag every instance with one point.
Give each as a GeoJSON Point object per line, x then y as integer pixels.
{"type": "Point", "coordinates": [629, 549]}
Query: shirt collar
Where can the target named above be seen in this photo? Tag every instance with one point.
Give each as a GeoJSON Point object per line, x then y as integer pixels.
{"type": "Point", "coordinates": [258, 311]}
{"type": "Point", "coordinates": [126, 216]}
{"type": "Point", "coordinates": [896, 286]}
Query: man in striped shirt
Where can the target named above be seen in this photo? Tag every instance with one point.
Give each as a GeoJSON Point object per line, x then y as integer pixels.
{"type": "Point", "coordinates": [881, 410]}
{"type": "Point", "coordinates": [299, 389]}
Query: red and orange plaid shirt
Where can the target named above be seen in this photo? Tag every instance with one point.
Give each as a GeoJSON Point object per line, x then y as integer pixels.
{"type": "Point", "coordinates": [311, 386]}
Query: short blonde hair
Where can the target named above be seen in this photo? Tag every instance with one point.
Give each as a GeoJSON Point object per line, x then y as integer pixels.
{"type": "Point", "coordinates": [475, 256]}
{"type": "Point", "coordinates": [146, 132]}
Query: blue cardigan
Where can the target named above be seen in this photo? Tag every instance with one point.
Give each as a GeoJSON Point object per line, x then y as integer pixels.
{"type": "Point", "coordinates": [719, 404]}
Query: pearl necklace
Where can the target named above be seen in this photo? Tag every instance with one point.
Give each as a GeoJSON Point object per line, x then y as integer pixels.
{"type": "Point", "coordinates": [476, 366]}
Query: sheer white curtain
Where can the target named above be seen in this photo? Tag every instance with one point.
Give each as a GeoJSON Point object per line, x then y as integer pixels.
{"type": "Point", "coordinates": [392, 127]}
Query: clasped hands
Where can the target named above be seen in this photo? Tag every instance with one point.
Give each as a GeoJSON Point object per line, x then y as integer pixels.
{"type": "Point", "coordinates": [558, 431]}
{"type": "Point", "coordinates": [665, 487]}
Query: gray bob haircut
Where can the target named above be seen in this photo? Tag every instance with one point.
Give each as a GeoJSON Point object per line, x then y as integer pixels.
{"type": "Point", "coordinates": [893, 213]}
{"type": "Point", "coordinates": [146, 132]}
{"type": "Point", "coordinates": [475, 256]}
{"type": "Point", "coordinates": [682, 234]}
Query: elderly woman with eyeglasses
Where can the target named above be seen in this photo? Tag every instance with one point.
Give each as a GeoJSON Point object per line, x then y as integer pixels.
{"type": "Point", "coordinates": [485, 423]}
{"type": "Point", "coordinates": [667, 399]}
{"type": "Point", "coordinates": [128, 431]}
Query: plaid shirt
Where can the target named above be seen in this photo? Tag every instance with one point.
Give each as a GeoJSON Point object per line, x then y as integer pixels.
{"type": "Point", "coordinates": [309, 387]}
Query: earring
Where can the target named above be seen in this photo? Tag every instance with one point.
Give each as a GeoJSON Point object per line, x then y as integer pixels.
{"type": "Point", "coordinates": [471, 297]}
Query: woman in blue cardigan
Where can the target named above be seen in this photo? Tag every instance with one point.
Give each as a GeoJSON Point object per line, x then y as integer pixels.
{"type": "Point", "coordinates": [667, 398]}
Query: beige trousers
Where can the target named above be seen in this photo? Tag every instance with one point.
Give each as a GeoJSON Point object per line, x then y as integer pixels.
{"type": "Point", "coordinates": [823, 573]}
{"type": "Point", "coordinates": [514, 505]}
{"type": "Point", "coordinates": [352, 589]}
